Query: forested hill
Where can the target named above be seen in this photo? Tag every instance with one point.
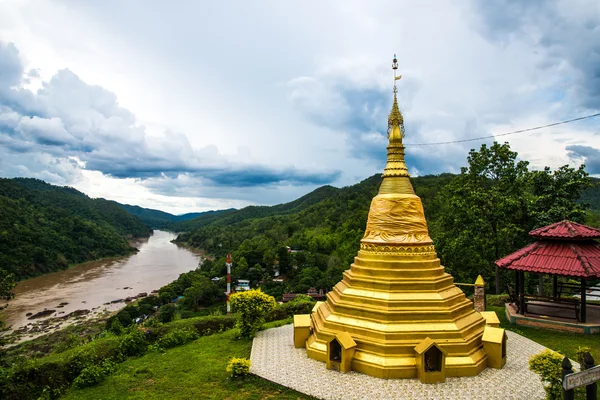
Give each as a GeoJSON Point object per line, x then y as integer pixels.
{"type": "Point", "coordinates": [163, 220]}
{"type": "Point", "coordinates": [326, 221]}
{"type": "Point", "coordinates": [591, 195]}
{"type": "Point", "coordinates": [45, 228]}
{"type": "Point", "coordinates": [232, 216]}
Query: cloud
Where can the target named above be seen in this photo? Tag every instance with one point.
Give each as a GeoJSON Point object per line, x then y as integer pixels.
{"type": "Point", "coordinates": [11, 69]}
{"type": "Point", "coordinates": [69, 118]}
{"type": "Point", "coordinates": [565, 33]}
{"type": "Point", "coordinates": [590, 156]}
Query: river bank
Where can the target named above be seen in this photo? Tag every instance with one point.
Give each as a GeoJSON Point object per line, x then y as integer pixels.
{"type": "Point", "coordinates": [90, 290]}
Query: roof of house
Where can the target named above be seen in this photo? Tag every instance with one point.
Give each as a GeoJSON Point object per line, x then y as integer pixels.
{"type": "Point", "coordinates": [574, 259]}
{"type": "Point", "coordinates": [566, 230]}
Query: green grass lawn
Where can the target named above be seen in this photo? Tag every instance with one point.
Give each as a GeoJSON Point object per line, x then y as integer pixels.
{"type": "Point", "coordinates": [564, 342]}
{"type": "Point", "coordinates": [197, 369]}
{"type": "Point", "coordinates": [192, 371]}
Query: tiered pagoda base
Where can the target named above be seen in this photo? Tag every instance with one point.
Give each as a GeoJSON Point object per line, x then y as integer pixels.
{"type": "Point", "coordinates": [389, 305]}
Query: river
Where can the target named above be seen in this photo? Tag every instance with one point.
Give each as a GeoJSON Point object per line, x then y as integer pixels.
{"type": "Point", "coordinates": [90, 285]}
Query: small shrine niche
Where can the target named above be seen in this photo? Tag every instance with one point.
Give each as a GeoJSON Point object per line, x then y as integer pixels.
{"type": "Point", "coordinates": [340, 352]}
{"type": "Point", "coordinates": [433, 360]}
{"type": "Point", "coordinates": [335, 352]}
{"type": "Point", "coordinates": [430, 361]}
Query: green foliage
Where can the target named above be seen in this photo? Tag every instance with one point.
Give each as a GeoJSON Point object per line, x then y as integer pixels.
{"type": "Point", "coordinates": [133, 343]}
{"type": "Point", "coordinates": [556, 195]}
{"type": "Point", "coordinates": [45, 228]}
{"type": "Point", "coordinates": [94, 374]}
{"type": "Point", "coordinates": [196, 370]}
{"type": "Point", "coordinates": [115, 326]}
{"type": "Point", "coordinates": [238, 367]}
{"type": "Point", "coordinates": [581, 351]}
{"type": "Point", "coordinates": [548, 364]}
{"type": "Point", "coordinates": [166, 313]}
{"type": "Point", "coordinates": [302, 304]}
{"type": "Point", "coordinates": [252, 307]}
{"type": "Point", "coordinates": [487, 211]}
{"type": "Point", "coordinates": [202, 292]}
{"type": "Point", "coordinates": [162, 220]}
{"type": "Point", "coordinates": [176, 337]}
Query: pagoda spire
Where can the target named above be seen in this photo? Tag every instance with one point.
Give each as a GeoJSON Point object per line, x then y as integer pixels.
{"type": "Point", "coordinates": [395, 166]}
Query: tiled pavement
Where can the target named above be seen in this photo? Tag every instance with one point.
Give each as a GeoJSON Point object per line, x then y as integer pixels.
{"type": "Point", "coordinates": [275, 358]}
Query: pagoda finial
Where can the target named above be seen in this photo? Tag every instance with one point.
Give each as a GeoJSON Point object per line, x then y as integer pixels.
{"type": "Point", "coordinates": [395, 118]}
{"type": "Point", "coordinates": [395, 166]}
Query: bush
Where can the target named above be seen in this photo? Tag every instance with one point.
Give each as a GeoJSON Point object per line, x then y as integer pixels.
{"type": "Point", "coordinates": [114, 325]}
{"type": "Point", "coordinates": [304, 305]}
{"type": "Point", "coordinates": [548, 364]}
{"type": "Point", "coordinates": [497, 300]}
{"type": "Point", "coordinates": [175, 338]}
{"type": "Point", "coordinates": [581, 355]}
{"type": "Point", "coordinates": [94, 374]}
{"type": "Point", "coordinates": [166, 313]}
{"type": "Point", "coordinates": [238, 367]}
{"type": "Point", "coordinates": [252, 307]}
{"type": "Point", "coordinates": [133, 344]}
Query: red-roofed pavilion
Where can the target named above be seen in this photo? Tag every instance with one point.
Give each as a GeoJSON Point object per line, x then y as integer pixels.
{"type": "Point", "coordinates": [562, 249]}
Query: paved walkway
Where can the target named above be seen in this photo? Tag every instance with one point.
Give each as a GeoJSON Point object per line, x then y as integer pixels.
{"type": "Point", "coordinates": [275, 358]}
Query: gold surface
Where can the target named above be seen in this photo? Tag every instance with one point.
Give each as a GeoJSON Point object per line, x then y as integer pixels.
{"type": "Point", "coordinates": [494, 345]}
{"type": "Point", "coordinates": [302, 325]}
{"type": "Point", "coordinates": [396, 294]}
{"type": "Point", "coordinates": [491, 319]}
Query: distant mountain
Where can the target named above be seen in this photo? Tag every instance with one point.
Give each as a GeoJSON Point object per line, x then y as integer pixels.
{"type": "Point", "coordinates": [157, 219]}
{"type": "Point", "coordinates": [45, 228]}
{"type": "Point", "coordinates": [232, 216]}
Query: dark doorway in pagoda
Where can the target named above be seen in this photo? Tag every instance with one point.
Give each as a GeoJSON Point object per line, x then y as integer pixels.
{"type": "Point", "coordinates": [335, 352]}
{"type": "Point", "coordinates": [433, 360]}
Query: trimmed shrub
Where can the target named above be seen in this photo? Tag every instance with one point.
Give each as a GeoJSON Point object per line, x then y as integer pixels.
{"type": "Point", "coordinates": [296, 306]}
{"type": "Point", "coordinates": [252, 307]}
{"type": "Point", "coordinates": [548, 364]}
{"type": "Point", "coordinates": [238, 367]}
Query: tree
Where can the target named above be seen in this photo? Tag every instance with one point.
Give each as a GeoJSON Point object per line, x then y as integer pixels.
{"type": "Point", "coordinates": [202, 293]}
{"type": "Point", "coordinates": [556, 195]}
{"type": "Point", "coordinates": [7, 283]}
{"type": "Point", "coordinates": [483, 213]}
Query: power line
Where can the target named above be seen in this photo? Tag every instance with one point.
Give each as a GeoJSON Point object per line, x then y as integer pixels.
{"type": "Point", "coordinates": [506, 134]}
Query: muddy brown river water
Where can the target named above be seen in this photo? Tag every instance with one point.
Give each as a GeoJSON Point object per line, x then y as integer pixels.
{"type": "Point", "coordinates": [89, 286]}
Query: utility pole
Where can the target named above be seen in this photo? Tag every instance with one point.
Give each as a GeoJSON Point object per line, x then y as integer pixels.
{"type": "Point", "coordinates": [228, 282]}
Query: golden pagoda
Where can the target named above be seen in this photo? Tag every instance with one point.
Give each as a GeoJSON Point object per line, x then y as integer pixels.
{"type": "Point", "coordinates": [396, 313]}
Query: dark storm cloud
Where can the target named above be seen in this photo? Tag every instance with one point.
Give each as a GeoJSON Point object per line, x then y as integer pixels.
{"type": "Point", "coordinates": [562, 31]}
{"type": "Point", "coordinates": [590, 155]}
{"type": "Point", "coordinates": [67, 117]}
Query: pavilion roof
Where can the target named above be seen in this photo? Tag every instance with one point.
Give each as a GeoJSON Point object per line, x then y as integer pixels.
{"type": "Point", "coordinates": [566, 230]}
{"type": "Point", "coordinates": [577, 259]}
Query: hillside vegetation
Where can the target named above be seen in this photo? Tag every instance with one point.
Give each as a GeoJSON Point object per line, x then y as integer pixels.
{"type": "Point", "coordinates": [157, 219]}
{"type": "Point", "coordinates": [474, 218]}
{"type": "Point", "coordinates": [45, 228]}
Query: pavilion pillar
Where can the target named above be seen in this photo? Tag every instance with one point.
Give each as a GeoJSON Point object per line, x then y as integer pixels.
{"type": "Point", "coordinates": [540, 284]}
{"type": "Point", "coordinates": [583, 302]}
{"type": "Point", "coordinates": [517, 291]}
{"type": "Point", "coordinates": [522, 292]}
{"type": "Point", "coordinates": [555, 286]}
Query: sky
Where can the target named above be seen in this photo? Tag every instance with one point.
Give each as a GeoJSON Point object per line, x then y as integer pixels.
{"type": "Point", "coordinates": [192, 106]}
